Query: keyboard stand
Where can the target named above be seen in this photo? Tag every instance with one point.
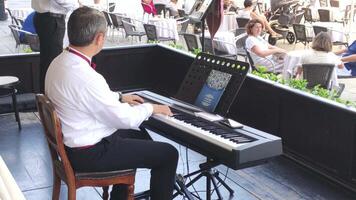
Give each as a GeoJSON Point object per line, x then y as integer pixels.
{"type": "Point", "coordinates": [212, 176]}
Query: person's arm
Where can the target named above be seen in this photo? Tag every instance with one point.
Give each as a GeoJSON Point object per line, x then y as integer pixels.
{"type": "Point", "coordinates": [263, 53]}
{"type": "Point", "coordinates": [350, 58]}
{"type": "Point", "coordinates": [340, 51]}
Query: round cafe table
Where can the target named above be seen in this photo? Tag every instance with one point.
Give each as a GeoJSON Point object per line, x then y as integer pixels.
{"type": "Point", "coordinates": [7, 88]}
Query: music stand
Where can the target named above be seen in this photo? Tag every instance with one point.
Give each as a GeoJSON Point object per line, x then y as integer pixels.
{"type": "Point", "coordinates": [188, 92]}
{"type": "Point", "coordinates": [198, 13]}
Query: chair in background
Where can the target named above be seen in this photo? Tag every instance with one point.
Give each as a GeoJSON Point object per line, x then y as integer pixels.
{"type": "Point", "coordinates": [12, 17]}
{"type": "Point", "coordinates": [19, 21]}
{"type": "Point", "coordinates": [112, 6]}
{"type": "Point", "coordinates": [151, 33]}
{"type": "Point", "coordinates": [241, 22]}
{"type": "Point", "coordinates": [184, 25]}
{"type": "Point", "coordinates": [240, 31]}
{"type": "Point", "coordinates": [301, 35]}
{"type": "Point", "coordinates": [318, 29]}
{"type": "Point", "coordinates": [15, 30]}
{"type": "Point", "coordinates": [62, 169]}
{"type": "Point", "coordinates": [181, 13]}
{"type": "Point", "coordinates": [240, 47]}
{"type": "Point", "coordinates": [116, 21]}
{"type": "Point", "coordinates": [191, 42]}
{"type": "Point", "coordinates": [130, 29]}
{"type": "Point", "coordinates": [161, 9]}
{"type": "Point", "coordinates": [33, 41]}
{"type": "Point", "coordinates": [308, 17]}
{"type": "Point", "coordinates": [323, 3]}
{"type": "Point", "coordinates": [252, 64]}
{"type": "Point", "coordinates": [318, 74]}
{"type": "Point", "coordinates": [7, 88]}
{"type": "Point", "coordinates": [334, 3]}
{"type": "Point", "coordinates": [324, 15]}
{"type": "Point", "coordinates": [209, 48]}
{"type": "Point", "coordinates": [109, 22]}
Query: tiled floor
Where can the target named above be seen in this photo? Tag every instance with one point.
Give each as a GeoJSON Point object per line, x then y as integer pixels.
{"type": "Point", "coordinates": [26, 155]}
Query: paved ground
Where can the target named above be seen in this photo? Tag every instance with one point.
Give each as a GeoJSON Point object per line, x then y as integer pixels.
{"type": "Point", "coordinates": [8, 45]}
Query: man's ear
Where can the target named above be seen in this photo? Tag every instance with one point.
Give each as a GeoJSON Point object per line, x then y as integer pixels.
{"type": "Point", "coordinates": [99, 38]}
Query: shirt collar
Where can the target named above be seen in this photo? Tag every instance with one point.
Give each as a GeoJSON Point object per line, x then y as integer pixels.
{"type": "Point", "coordinates": [80, 54]}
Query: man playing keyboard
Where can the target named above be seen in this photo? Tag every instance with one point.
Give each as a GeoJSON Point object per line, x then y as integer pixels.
{"type": "Point", "coordinates": [101, 132]}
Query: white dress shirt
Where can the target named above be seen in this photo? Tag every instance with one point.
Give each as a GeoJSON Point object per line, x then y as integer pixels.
{"type": "Point", "coordinates": [54, 6]}
{"type": "Point", "coordinates": [88, 109]}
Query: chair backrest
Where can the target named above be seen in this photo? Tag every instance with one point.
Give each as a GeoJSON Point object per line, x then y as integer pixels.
{"type": "Point", "coordinates": [324, 15]}
{"type": "Point", "coordinates": [318, 74]}
{"type": "Point", "coordinates": [181, 13]}
{"type": "Point", "coordinates": [151, 32]}
{"type": "Point", "coordinates": [241, 22]}
{"type": "Point", "coordinates": [34, 41]}
{"type": "Point", "coordinates": [19, 22]}
{"type": "Point", "coordinates": [300, 33]}
{"type": "Point", "coordinates": [12, 17]}
{"type": "Point", "coordinates": [323, 3]}
{"type": "Point", "coordinates": [184, 26]}
{"type": "Point", "coordinates": [15, 33]}
{"type": "Point", "coordinates": [240, 31]}
{"type": "Point", "coordinates": [334, 3]}
{"type": "Point", "coordinates": [53, 132]}
{"type": "Point", "coordinates": [113, 17]}
{"type": "Point", "coordinates": [128, 27]}
{"type": "Point", "coordinates": [160, 8]}
{"type": "Point", "coordinates": [241, 42]}
{"type": "Point", "coordinates": [112, 6]}
{"type": "Point", "coordinates": [107, 17]}
{"type": "Point", "coordinates": [308, 17]}
{"type": "Point", "coordinates": [208, 45]}
{"type": "Point", "coordinates": [319, 29]}
{"type": "Point", "coordinates": [250, 60]}
{"type": "Point", "coordinates": [191, 41]}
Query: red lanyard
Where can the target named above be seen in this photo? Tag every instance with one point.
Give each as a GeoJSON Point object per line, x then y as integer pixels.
{"type": "Point", "coordinates": [93, 65]}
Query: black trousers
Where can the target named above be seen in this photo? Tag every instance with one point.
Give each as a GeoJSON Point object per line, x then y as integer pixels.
{"type": "Point", "coordinates": [50, 31]}
{"type": "Point", "coordinates": [130, 149]}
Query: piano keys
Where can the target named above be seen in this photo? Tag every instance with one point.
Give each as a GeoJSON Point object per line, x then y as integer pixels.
{"type": "Point", "coordinates": [235, 148]}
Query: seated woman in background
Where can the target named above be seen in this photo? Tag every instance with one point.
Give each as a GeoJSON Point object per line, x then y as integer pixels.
{"type": "Point", "coordinates": [248, 12]}
{"type": "Point", "coordinates": [321, 53]}
{"type": "Point", "coordinates": [148, 7]}
{"type": "Point", "coordinates": [230, 6]}
{"type": "Point", "coordinates": [348, 58]}
{"type": "Point", "coordinates": [261, 52]}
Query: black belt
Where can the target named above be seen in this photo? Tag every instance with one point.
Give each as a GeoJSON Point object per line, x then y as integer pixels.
{"type": "Point", "coordinates": [49, 14]}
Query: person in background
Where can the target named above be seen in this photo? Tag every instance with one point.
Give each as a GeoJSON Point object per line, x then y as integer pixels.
{"type": "Point", "coordinates": [148, 7]}
{"type": "Point", "coordinates": [261, 52]}
{"type": "Point", "coordinates": [230, 6]}
{"type": "Point", "coordinates": [347, 57]}
{"type": "Point", "coordinates": [173, 8]}
{"type": "Point", "coordinates": [28, 26]}
{"type": "Point", "coordinates": [101, 127]}
{"type": "Point", "coordinates": [49, 21]}
{"type": "Point", "coordinates": [249, 12]}
{"type": "Point", "coordinates": [321, 53]}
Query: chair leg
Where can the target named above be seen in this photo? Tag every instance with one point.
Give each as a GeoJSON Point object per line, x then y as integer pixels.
{"type": "Point", "coordinates": [71, 193]}
{"type": "Point", "coordinates": [130, 193]}
{"type": "Point", "coordinates": [56, 187]}
{"type": "Point", "coordinates": [106, 193]}
{"type": "Point", "coordinates": [14, 104]}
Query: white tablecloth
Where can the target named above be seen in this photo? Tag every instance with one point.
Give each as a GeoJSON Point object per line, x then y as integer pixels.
{"type": "Point", "coordinates": [337, 30]}
{"type": "Point", "coordinates": [165, 27]}
{"type": "Point", "coordinates": [228, 23]}
{"type": "Point", "coordinates": [291, 60]}
{"type": "Point", "coordinates": [21, 13]}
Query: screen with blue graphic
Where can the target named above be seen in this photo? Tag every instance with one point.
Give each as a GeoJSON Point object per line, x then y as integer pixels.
{"type": "Point", "coordinates": [212, 90]}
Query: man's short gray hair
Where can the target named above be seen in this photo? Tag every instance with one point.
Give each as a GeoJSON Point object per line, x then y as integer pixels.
{"type": "Point", "coordinates": [84, 23]}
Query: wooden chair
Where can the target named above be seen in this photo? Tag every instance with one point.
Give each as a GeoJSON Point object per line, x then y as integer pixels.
{"type": "Point", "coordinates": [62, 169]}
